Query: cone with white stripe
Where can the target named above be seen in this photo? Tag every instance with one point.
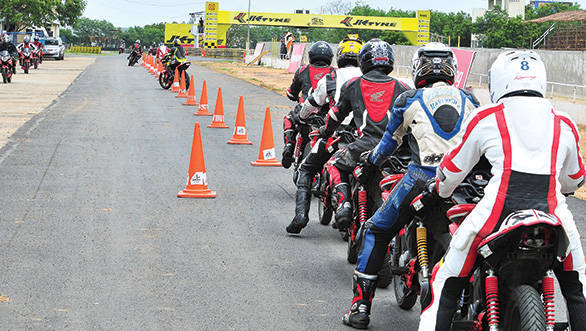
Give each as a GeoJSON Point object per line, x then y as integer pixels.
{"type": "Point", "coordinates": [197, 185]}
{"type": "Point", "coordinates": [240, 137]}
{"type": "Point", "coordinates": [218, 119]}
{"type": "Point", "coordinates": [266, 153]}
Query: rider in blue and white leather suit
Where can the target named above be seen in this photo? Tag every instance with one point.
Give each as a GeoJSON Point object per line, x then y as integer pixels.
{"type": "Point", "coordinates": [432, 116]}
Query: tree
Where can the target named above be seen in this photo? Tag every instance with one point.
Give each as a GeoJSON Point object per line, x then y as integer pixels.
{"type": "Point", "coordinates": [496, 29]}
{"type": "Point", "coordinates": [452, 25]}
{"type": "Point", "coordinates": [339, 7]}
{"type": "Point", "coordinates": [20, 14]}
{"type": "Point", "coordinates": [88, 30]}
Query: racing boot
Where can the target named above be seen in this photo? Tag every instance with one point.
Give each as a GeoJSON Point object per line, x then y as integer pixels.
{"type": "Point", "coordinates": [363, 285]}
{"type": "Point", "coordinates": [302, 203]}
{"type": "Point", "coordinates": [344, 210]}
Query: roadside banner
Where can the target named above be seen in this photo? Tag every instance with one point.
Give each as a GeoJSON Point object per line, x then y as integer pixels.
{"type": "Point", "coordinates": [179, 31]}
{"type": "Point", "coordinates": [296, 57]}
{"type": "Point", "coordinates": [465, 59]}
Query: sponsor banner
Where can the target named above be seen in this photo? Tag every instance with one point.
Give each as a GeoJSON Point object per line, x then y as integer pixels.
{"type": "Point", "coordinates": [296, 57]}
{"type": "Point", "coordinates": [423, 21]}
{"type": "Point", "coordinates": [211, 25]}
{"type": "Point", "coordinates": [317, 20]}
{"type": "Point", "coordinates": [465, 58]}
{"type": "Point", "coordinates": [179, 31]}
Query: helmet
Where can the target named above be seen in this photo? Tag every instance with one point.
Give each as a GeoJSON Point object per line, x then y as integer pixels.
{"type": "Point", "coordinates": [434, 62]}
{"type": "Point", "coordinates": [176, 42]}
{"type": "Point", "coordinates": [320, 52]}
{"type": "Point", "coordinates": [138, 41]}
{"type": "Point", "coordinates": [348, 50]}
{"type": "Point", "coordinates": [4, 37]}
{"type": "Point", "coordinates": [376, 54]}
{"type": "Point", "coordinates": [517, 73]}
{"type": "Point", "coordinates": [27, 38]}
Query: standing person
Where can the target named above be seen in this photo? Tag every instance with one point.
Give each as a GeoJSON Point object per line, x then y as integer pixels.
{"type": "Point", "coordinates": [305, 78]}
{"type": "Point", "coordinates": [369, 99]}
{"type": "Point", "coordinates": [431, 117]}
{"type": "Point", "coordinates": [327, 91]}
{"type": "Point", "coordinates": [535, 156]}
{"type": "Point", "coordinates": [283, 48]}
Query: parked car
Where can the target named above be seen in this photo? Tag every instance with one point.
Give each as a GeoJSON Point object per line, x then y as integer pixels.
{"type": "Point", "coordinates": [54, 48]}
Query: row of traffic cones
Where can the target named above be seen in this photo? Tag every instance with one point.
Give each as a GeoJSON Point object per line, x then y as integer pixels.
{"type": "Point", "coordinates": [197, 180]}
{"type": "Point", "coordinates": [197, 186]}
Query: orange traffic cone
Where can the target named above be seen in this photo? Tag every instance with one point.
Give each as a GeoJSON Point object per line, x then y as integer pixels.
{"type": "Point", "coordinates": [155, 67]}
{"type": "Point", "coordinates": [203, 52]}
{"type": "Point", "coordinates": [266, 153]}
{"type": "Point", "coordinates": [239, 136]}
{"type": "Point", "coordinates": [197, 186]}
{"type": "Point", "coordinates": [143, 58]}
{"type": "Point", "coordinates": [218, 119]}
{"type": "Point", "coordinates": [191, 95]}
{"type": "Point", "coordinates": [203, 102]}
{"type": "Point", "coordinates": [175, 87]}
{"type": "Point", "coordinates": [182, 92]}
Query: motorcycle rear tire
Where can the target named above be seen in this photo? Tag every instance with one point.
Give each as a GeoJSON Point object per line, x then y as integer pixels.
{"type": "Point", "coordinates": [524, 310]}
{"type": "Point", "coordinates": [385, 277]}
{"type": "Point", "coordinates": [4, 76]}
{"type": "Point", "coordinates": [406, 298]}
{"type": "Point", "coordinates": [324, 213]}
{"type": "Point", "coordinates": [352, 251]}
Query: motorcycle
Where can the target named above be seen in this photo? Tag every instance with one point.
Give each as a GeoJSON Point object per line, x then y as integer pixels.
{"type": "Point", "coordinates": [39, 56]}
{"type": "Point", "coordinates": [120, 50]}
{"type": "Point", "coordinates": [133, 59]}
{"type": "Point", "coordinates": [515, 277]}
{"type": "Point", "coordinates": [6, 64]}
{"type": "Point", "coordinates": [26, 58]}
{"type": "Point", "coordinates": [168, 75]}
{"type": "Point", "coordinates": [425, 239]}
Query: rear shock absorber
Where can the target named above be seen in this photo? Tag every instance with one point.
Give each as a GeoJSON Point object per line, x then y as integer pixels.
{"type": "Point", "coordinates": [548, 300]}
{"type": "Point", "coordinates": [492, 300]}
{"type": "Point", "coordinates": [362, 205]}
{"type": "Point", "coordinates": [422, 254]}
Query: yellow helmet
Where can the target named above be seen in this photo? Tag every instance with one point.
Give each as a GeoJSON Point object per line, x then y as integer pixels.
{"type": "Point", "coordinates": [348, 50]}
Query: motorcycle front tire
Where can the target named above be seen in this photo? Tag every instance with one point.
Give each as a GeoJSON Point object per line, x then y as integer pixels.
{"type": "Point", "coordinates": [4, 76]}
{"type": "Point", "coordinates": [26, 69]}
{"type": "Point", "coordinates": [165, 83]}
{"type": "Point", "coordinates": [524, 310]}
{"type": "Point", "coordinates": [36, 64]}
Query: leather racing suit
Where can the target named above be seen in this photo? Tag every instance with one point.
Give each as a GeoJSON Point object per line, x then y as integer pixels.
{"type": "Point", "coordinates": [369, 98]}
{"type": "Point", "coordinates": [162, 51]}
{"type": "Point", "coordinates": [535, 158]}
{"type": "Point", "coordinates": [305, 78]}
{"type": "Point", "coordinates": [432, 119]}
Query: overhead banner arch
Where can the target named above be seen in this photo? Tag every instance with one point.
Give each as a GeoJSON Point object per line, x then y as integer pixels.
{"type": "Point", "coordinates": [217, 22]}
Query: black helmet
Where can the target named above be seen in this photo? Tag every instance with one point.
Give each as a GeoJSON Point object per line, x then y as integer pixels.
{"type": "Point", "coordinates": [434, 62]}
{"type": "Point", "coordinates": [320, 52]}
{"type": "Point", "coordinates": [376, 54]}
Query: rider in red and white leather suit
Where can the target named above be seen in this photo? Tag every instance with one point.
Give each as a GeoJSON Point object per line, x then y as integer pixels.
{"type": "Point", "coordinates": [535, 158]}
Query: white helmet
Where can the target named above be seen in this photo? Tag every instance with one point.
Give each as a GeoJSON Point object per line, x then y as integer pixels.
{"type": "Point", "coordinates": [138, 41]}
{"type": "Point", "coordinates": [517, 71]}
{"type": "Point", "coordinates": [432, 63]}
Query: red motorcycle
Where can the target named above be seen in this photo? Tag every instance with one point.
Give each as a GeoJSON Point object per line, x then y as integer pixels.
{"type": "Point", "coordinates": [6, 64]}
{"type": "Point", "coordinates": [26, 58]}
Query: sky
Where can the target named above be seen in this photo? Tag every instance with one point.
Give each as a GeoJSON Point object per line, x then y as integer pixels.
{"type": "Point", "coordinates": [125, 13]}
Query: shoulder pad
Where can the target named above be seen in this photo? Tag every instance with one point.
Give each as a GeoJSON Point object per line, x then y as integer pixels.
{"type": "Point", "coordinates": [401, 100]}
{"type": "Point", "coordinates": [471, 96]}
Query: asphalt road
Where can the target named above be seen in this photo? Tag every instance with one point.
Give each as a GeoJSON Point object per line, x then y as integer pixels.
{"type": "Point", "coordinates": [92, 235]}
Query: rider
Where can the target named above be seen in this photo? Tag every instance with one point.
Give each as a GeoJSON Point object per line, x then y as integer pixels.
{"type": "Point", "coordinates": [135, 48]}
{"type": "Point", "coordinates": [327, 91]}
{"type": "Point", "coordinates": [369, 98]}
{"type": "Point", "coordinates": [306, 77]}
{"type": "Point", "coordinates": [431, 116]}
{"type": "Point", "coordinates": [535, 157]}
{"type": "Point", "coordinates": [162, 50]}
{"type": "Point", "coordinates": [7, 45]}
{"type": "Point", "coordinates": [25, 44]}
{"type": "Point", "coordinates": [177, 55]}
{"type": "Point", "coordinates": [39, 45]}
